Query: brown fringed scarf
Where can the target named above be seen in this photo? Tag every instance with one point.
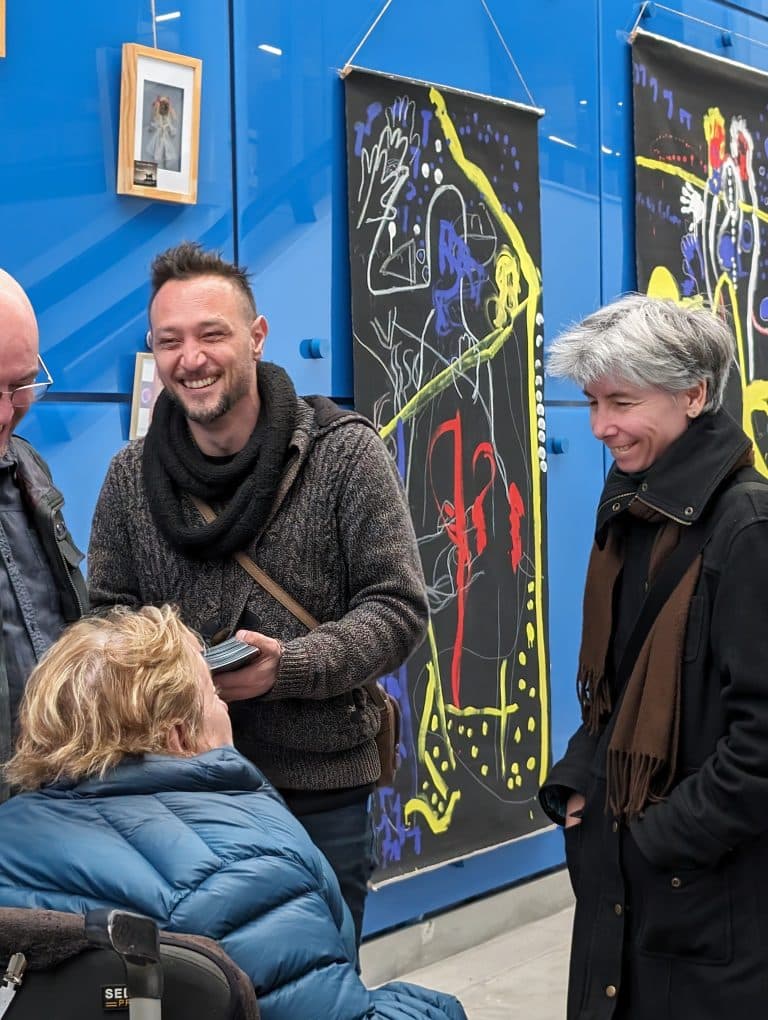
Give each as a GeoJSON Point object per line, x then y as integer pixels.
{"type": "Point", "coordinates": [642, 753]}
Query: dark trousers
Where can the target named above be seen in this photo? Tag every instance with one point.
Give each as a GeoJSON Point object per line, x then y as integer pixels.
{"type": "Point", "coordinates": [345, 836]}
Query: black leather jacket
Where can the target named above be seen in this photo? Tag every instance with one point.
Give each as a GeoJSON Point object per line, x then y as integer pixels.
{"type": "Point", "coordinates": [43, 503]}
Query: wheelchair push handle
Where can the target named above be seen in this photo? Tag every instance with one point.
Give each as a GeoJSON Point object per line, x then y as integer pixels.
{"type": "Point", "coordinates": [136, 940]}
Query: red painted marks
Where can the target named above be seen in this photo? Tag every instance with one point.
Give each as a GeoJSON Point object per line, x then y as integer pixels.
{"type": "Point", "coordinates": [467, 527]}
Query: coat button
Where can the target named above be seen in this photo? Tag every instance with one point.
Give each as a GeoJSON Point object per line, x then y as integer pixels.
{"type": "Point", "coordinates": [615, 826]}
{"type": "Point", "coordinates": [644, 487]}
{"type": "Point", "coordinates": [688, 511]}
{"type": "Point", "coordinates": [676, 883]}
{"type": "Point", "coordinates": [610, 991]}
{"type": "Point", "coordinates": [618, 909]}
{"type": "Point", "coordinates": [616, 507]}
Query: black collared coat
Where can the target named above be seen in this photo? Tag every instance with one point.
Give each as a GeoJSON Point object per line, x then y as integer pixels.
{"type": "Point", "coordinates": [671, 917]}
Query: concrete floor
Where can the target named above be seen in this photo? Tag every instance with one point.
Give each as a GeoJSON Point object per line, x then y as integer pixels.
{"type": "Point", "coordinates": [521, 975]}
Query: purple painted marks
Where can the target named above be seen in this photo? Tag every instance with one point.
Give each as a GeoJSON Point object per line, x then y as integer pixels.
{"type": "Point", "coordinates": [415, 160]}
{"type": "Point", "coordinates": [692, 273]}
{"type": "Point", "coordinates": [364, 130]}
{"type": "Point", "coordinates": [454, 257]}
{"type": "Point", "coordinates": [658, 207]}
{"type": "Point", "coordinates": [426, 120]}
{"type": "Point", "coordinates": [392, 832]}
{"type": "Point", "coordinates": [399, 110]}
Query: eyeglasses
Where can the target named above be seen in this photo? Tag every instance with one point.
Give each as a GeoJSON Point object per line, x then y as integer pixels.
{"type": "Point", "coordinates": [23, 396]}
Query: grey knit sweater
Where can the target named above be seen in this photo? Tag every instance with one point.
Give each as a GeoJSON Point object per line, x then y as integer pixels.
{"type": "Point", "coordinates": [339, 538]}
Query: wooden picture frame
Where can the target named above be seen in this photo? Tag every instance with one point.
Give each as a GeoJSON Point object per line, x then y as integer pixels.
{"type": "Point", "coordinates": [159, 124]}
{"type": "Point", "coordinates": [2, 28]}
{"type": "Point", "coordinates": [146, 387]}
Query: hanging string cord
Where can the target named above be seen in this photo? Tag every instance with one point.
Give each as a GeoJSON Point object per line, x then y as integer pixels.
{"type": "Point", "coordinates": [153, 11]}
{"type": "Point", "coordinates": [348, 62]}
{"type": "Point", "coordinates": [696, 20]}
{"type": "Point", "coordinates": [507, 50]}
{"type": "Point", "coordinates": [638, 19]}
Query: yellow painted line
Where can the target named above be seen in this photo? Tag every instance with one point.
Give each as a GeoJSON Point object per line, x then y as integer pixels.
{"type": "Point", "coordinates": [437, 823]}
{"type": "Point", "coordinates": [483, 350]}
{"type": "Point", "coordinates": [698, 182]}
{"type": "Point", "coordinates": [532, 277]}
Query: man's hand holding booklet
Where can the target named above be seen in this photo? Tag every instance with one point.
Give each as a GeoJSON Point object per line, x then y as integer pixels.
{"type": "Point", "coordinates": [230, 654]}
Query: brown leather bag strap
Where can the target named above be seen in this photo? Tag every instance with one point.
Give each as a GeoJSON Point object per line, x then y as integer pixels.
{"type": "Point", "coordinates": [260, 577]}
{"type": "Point", "coordinates": [277, 592]}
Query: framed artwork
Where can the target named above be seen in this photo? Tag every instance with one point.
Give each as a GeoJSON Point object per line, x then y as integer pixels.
{"type": "Point", "coordinates": [146, 387]}
{"type": "Point", "coordinates": [2, 28]}
{"type": "Point", "coordinates": [159, 124]}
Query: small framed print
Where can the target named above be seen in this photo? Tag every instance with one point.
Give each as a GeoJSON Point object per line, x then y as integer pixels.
{"type": "Point", "coordinates": [146, 387]}
{"type": "Point", "coordinates": [159, 124]}
{"type": "Point", "coordinates": [2, 28]}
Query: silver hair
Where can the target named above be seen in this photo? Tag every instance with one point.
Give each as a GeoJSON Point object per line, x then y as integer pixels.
{"type": "Point", "coordinates": [648, 342]}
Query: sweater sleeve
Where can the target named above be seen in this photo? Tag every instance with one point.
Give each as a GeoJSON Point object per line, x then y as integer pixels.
{"type": "Point", "coordinates": [725, 802]}
{"type": "Point", "coordinates": [111, 574]}
{"type": "Point", "coordinates": [387, 612]}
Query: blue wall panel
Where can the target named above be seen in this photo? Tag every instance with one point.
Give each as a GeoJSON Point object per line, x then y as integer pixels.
{"type": "Point", "coordinates": [81, 251]}
{"type": "Point", "coordinates": [77, 441]}
{"type": "Point", "coordinates": [574, 482]}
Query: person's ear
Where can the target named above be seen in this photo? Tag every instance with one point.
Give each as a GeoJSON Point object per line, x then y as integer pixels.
{"type": "Point", "coordinates": [259, 330]}
{"type": "Point", "coordinates": [177, 742]}
{"type": "Point", "coordinates": [696, 398]}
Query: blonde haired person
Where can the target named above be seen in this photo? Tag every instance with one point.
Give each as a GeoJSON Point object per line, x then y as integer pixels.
{"type": "Point", "coordinates": [130, 684]}
{"type": "Point", "coordinates": [134, 797]}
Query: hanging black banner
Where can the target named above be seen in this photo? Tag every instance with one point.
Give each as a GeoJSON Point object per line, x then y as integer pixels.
{"type": "Point", "coordinates": [701, 156]}
{"type": "Point", "coordinates": [447, 320]}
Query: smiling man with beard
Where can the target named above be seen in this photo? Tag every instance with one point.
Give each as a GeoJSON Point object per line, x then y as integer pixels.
{"type": "Point", "coordinates": [308, 492]}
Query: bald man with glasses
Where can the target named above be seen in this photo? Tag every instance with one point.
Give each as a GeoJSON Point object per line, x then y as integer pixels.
{"type": "Point", "coordinates": [41, 587]}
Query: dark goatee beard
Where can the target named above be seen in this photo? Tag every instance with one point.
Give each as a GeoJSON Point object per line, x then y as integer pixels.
{"type": "Point", "coordinates": [212, 414]}
{"type": "Point", "coordinates": [206, 417]}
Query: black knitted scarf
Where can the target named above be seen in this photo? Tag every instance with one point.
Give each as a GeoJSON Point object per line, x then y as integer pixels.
{"type": "Point", "coordinates": [244, 486]}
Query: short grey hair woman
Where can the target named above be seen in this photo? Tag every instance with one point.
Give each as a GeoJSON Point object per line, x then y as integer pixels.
{"type": "Point", "coordinates": [663, 790]}
{"type": "Point", "coordinates": [637, 343]}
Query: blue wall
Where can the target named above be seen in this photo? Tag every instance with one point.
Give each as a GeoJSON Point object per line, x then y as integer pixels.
{"type": "Point", "coordinates": [271, 194]}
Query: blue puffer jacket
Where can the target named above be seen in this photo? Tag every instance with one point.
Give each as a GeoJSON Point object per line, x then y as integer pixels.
{"type": "Point", "coordinates": [204, 845]}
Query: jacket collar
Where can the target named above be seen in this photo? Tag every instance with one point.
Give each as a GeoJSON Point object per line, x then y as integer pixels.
{"type": "Point", "coordinates": [222, 770]}
{"type": "Point", "coordinates": [682, 481]}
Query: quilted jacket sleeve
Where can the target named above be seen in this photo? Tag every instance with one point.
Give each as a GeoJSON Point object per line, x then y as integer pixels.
{"type": "Point", "coordinates": [288, 929]}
